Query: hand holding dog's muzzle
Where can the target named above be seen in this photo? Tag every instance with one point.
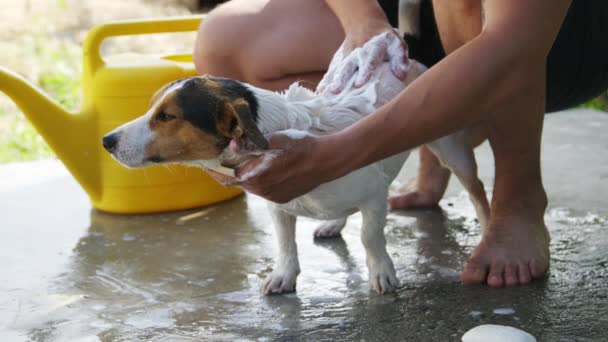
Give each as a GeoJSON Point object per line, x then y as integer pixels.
{"type": "Point", "coordinates": [287, 169]}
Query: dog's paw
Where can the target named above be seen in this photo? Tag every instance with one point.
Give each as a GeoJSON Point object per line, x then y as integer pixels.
{"type": "Point", "coordinates": [280, 281]}
{"type": "Point", "coordinates": [382, 277]}
{"type": "Point", "coordinates": [329, 229]}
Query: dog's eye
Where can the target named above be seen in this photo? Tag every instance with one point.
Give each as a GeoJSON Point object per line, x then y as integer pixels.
{"type": "Point", "coordinates": [164, 117]}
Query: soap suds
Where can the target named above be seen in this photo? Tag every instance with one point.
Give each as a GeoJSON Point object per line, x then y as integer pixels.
{"type": "Point", "coordinates": [504, 311]}
{"type": "Point", "coordinates": [294, 134]}
{"type": "Point", "coordinates": [267, 158]}
{"type": "Point", "coordinates": [475, 314]}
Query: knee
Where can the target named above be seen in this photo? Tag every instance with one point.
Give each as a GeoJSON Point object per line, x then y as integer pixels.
{"type": "Point", "coordinates": [219, 42]}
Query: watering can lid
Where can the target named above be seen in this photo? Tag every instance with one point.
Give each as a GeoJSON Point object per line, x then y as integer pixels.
{"type": "Point", "coordinates": [128, 75]}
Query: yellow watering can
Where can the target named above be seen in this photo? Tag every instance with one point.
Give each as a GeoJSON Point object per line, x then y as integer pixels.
{"type": "Point", "coordinates": [116, 90]}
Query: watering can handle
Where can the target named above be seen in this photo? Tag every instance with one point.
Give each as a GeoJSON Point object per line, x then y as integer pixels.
{"type": "Point", "coordinates": [133, 27]}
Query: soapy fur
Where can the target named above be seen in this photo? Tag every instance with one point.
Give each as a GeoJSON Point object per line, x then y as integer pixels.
{"type": "Point", "coordinates": [298, 112]}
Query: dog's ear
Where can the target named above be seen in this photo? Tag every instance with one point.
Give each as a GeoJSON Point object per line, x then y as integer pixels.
{"type": "Point", "coordinates": [234, 121]}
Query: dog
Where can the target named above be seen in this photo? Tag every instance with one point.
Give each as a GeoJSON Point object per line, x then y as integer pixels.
{"type": "Point", "coordinates": [193, 120]}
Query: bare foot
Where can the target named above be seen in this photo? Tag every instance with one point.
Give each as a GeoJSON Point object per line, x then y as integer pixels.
{"type": "Point", "coordinates": [330, 229]}
{"type": "Point", "coordinates": [512, 251]}
{"type": "Point", "coordinates": [425, 190]}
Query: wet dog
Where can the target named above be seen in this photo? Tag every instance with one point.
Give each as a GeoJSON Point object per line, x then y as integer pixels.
{"type": "Point", "coordinates": [193, 120]}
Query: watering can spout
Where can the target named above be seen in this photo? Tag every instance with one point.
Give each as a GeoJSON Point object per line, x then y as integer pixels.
{"type": "Point", "coordinates": [61, 129]}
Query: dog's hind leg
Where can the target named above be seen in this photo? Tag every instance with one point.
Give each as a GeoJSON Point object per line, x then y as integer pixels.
{"type": "Point", "coordinates": [330, 228]}
{"type": "Point", "coordinates": [287, 267]}
{"type": "Point", "coordinates": [455, 152]}
{"type": "Point", "coordinates": [382, 276]}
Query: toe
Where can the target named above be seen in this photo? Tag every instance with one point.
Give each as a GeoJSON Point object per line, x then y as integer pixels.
{"type": "Point", "coordinates": [537, 269]}
{"type": "Point", "coordinates": [496, 274]}
{"type": "Point", "coordinates": [384, 285]}
{"type": "Point", "coordinates": [272, 287]}
{"type": "Point", "coordinates": [523, 273]}
{"type": "Point", "coordinates": [475, 272]}
{"type": "Point", "coordinates": [267, 287]}
{"type": "Point", "coordinates": [374, 284]}
{"type": "Point", "coordinates": [389, 284]}
{"type": "Point", "coordinates": [511, 275]}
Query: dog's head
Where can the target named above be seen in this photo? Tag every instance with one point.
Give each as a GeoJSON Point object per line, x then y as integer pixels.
{"type": "Point", "coordinates": [192, 119]}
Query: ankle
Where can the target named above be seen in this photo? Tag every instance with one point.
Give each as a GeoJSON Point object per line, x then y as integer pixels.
{"type": "Point", "coordinates": [530, 202]}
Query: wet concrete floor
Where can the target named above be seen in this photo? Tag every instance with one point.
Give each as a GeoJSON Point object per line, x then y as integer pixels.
{"type": "Point", "coordinates": [70, 273]}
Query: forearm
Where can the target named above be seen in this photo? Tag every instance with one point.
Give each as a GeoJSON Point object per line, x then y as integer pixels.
{"type": "Point", "coordinates": [457, 92]}
{"type": "Point", "coordinates": [454, 94]}
{"type": "Point", "coordinates": [355, 13]}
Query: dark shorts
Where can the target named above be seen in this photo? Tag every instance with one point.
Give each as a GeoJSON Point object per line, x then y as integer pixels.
{"type": "Point", "coordinates": [577, 66]}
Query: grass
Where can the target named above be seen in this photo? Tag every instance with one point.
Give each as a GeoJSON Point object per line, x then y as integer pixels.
{"type": "Point", "coordinates": [600, 103]}
{"type": "Point", "coordinates": [59, 76]}
{"type": "Point", "coordinates": [19, 141]}
{"type": "Point", "coordinates": [42, 41]}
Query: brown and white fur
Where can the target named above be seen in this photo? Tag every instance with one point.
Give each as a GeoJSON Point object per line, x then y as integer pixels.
{"type": "Point", "coordinates": [193, 120]}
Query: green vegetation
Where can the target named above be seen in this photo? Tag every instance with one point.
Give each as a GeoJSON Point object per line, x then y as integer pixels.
{"type": "Point", "coordinates": [19, 141]}
{"type": "Point", "coordinates": [41, 40]}
{"type": "Point", "coordinates": [59, 76]}
{"type": "Point", "coordinates": [601, 103]}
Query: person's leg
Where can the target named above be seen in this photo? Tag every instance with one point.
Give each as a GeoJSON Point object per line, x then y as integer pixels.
{"type": "Point", "coordinates": [457, 22]}
{"type": "Point", "coordinates": [268, 43]}
{"type": "Point", "coordinates": [515, 247]}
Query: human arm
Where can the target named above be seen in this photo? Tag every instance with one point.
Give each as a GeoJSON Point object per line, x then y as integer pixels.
{"type": "Point", "coordinates": [460, 90]}
{"type": "Point", "coordinates": [457, 92]}
{"type": "Point", "coordinates": [360, 19]}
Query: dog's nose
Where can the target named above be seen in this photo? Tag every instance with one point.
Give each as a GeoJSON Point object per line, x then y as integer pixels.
{"type": "Point", "coordinates": [109, 142]}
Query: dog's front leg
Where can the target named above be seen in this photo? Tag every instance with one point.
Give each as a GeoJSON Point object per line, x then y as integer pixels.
{"type": "Point", "coordinates": [287, 267]}
{"type": "Point", "coordinates": [382, 276]}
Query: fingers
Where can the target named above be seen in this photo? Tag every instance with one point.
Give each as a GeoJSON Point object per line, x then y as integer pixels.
{"type": "Point", "coordinates": [369, 60]}
{"type": "Point", "coordinates": [398, 58]}
{"type": "Point", "coordinates": [222, 178]}
{"type": "Point", "coordinates": [345, 72]}
{"type": "Point", "coordinates": [331, 70]}
{"type": "Point", "coordinates": [363, 61]}
{"type": "Point", "coordinates": [255, 167]}
{"type": "Point", "coordinates": [324, 82]}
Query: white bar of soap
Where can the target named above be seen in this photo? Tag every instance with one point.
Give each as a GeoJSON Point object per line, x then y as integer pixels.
{"type": "Point", "coordinates": [497, 333]}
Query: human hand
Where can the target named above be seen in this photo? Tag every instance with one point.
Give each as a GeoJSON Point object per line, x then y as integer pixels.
{"type": "Point", "coordinates": [288, 169]}
{"type": "Point", "coordinates": [361, 55]}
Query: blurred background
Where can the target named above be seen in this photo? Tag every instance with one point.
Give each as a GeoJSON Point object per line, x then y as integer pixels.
{"type": "Point", "coordinates": [42, 39]}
